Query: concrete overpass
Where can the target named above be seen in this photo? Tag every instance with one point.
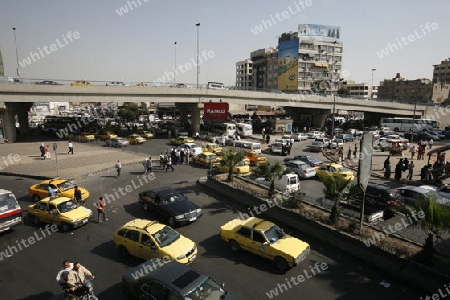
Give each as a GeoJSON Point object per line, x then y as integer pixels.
{"type": "Point", "coordinates": [190, 100]}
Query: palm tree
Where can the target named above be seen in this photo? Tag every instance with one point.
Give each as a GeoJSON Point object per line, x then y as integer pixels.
{"type": "Point", "coordinates": [269, 172]}
{"type": "Point", "coordinates": [230, 160]}
{"type": "Point", "coordinates": [336, 189]}
{"type": "Point", "coordinates": [434, 219]}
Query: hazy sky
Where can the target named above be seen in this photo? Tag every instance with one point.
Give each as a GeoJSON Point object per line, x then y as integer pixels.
{"type": "Point", "coordinates": [139, 44]}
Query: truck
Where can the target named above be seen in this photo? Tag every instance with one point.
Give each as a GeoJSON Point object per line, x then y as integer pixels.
{"type": "Point", "coordinates": [10, 211]}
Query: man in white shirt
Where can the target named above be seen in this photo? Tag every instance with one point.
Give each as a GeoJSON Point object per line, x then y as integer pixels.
{"type": "Point", "coordinates": [70, 147]}
{"type": "Point", "coordinates": [67, 266]}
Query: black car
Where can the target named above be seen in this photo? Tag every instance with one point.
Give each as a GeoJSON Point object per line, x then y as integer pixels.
{"type": "Point", "coordinates": [309, 159]}
{"type": "Point", "coordinates": [171, 204]}
{"type": "Point", "coordinates": [48, 82]}
{"type": "Point", "coordinates": [379, 196]}
{"type": "Point", "coordinates": [163, 279]}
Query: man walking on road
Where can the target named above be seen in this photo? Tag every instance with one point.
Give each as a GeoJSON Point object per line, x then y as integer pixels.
{"type": "Point", "coordinates": [101, 210]}
{"type": "Point", "coordinates": [410, 170]}
{"type": "Point", "coordinates": [70, 147]}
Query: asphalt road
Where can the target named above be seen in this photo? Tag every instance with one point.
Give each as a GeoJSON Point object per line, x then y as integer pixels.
{"type": "Point", "coordinates": [30, 273]}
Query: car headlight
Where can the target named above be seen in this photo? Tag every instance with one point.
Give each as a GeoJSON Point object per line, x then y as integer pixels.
{"type": "Point", "coordinates": [74, 220]}
{"type": "Point", "coordinates": [198, 210]}
{"type": "Point", "coordinates": [179, 217]}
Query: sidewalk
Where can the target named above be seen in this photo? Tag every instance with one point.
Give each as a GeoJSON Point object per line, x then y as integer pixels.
{"type": "Point", "coordinates": [23, 159]}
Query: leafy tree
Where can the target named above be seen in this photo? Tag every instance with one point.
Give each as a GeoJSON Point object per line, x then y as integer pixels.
{"type": "Point", "coordinates": [269, 172]}
{"type": "Point", "coordinates": [336, 189]}
{"type": "Point", "coordinates": [435, 222]}
{"type": "Point", "coordinates": [230, 160]}
{"type": "Point", "coordinates": [343, 91]}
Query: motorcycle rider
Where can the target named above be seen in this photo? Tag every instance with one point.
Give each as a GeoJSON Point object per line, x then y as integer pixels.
{"type": "Point", "coordinates": [67, 266]}
{"type": "Point", "coordinates": [76, 278]}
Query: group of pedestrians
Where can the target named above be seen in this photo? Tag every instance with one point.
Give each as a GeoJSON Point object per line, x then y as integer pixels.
{"type": "Point", "coordinates": [45, 151]}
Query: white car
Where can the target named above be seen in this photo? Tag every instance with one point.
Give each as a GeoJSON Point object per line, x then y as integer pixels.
{"type": "Point", "coordinates": [194, 149]}
{"type": "Point", "coordinates": [299, 136]}
{"type": "Point", "coordinates": [276, 148]}
{"type": "Point", "coordinates": [288, 138]}
{"type": "Point", "coordinates": [315, 134]}
{"type": "Point", "coordinates": [316, 146]}
{"type": "Point", "coordinates": [337, 143]}
{"type": "Point", "coordinates": [443, 190]}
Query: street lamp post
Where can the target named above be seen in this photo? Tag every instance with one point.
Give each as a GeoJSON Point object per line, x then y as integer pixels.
{"type": "Point", "coordinates": [175, 74]}
{"type": "Point", "coordinates": [198, 66]}
{"type": "Point", "coordinates": [332, 121]}
{"type": "Point", "coordinates": [17, 53]}
{"type": "Point", "coordinates": [371, 87]}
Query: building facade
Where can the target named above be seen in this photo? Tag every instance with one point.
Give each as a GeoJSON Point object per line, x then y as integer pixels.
{"type": "Point", "coordinates": [320, 58]}
{"type": "Point", "coordinates": [244, 75]}
{"type": "Point", "coordinates": [265, 69]}
{"type": "Point", "coordinates": [441, 72]}
{"type": "Point", "coordinates": [360, 90]}
{"type": "Point", "coordinates": [400, 89]}
{"type": "Point", "coordinates": [441, 92]}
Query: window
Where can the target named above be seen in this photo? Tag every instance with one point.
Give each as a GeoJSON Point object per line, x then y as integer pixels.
{"type": "Point", "coordinates": [259, 237]}
{"type": "Point", "coordinates": [132, 235]}
{"type": "Point", "coordinates": [145, 240]}
{"type": "Point", "coordinates": [245, 231]}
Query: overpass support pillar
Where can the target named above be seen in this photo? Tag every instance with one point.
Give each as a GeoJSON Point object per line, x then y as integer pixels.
{"type": "Point", "coordinates": [9, 125]}
{"type": "Point", "coordinates": [318, 119]}
{"type": "Point", "coordinates": [195, 118]}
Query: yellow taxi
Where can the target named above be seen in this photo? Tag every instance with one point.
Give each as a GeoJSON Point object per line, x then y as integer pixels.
{"type": "Point", "coordinates": [265, 239]}
{"type": "Point", "coordinates": [81, 83]}
{"type": "Point", "coordinates": [211, 147]}
{"type": "Point", "coordinates": [334, 170]}
{"type": "Point", "coordinates": [105, 135]}
{"type": "Point", "coordinates": [147, 134]}
{"type": "Point", "coordinates": [135, 139]}
{"type": "Point", "coordinates": [180, 140]}
{"type": "Point", "coordinates": [60, 211]}
{"type": "Point", "coordinates": [241, 168]}
{"type": "Point", "coordinates": [149, 239]}
{"type": "Point", "coordinates": [256, 159]}
{"type": "Point", "coordinates": [60, 187]}
{"type": "Point", "coordinates": [84, 137]}
{"type": "Point", "coordinates": [206, 159]}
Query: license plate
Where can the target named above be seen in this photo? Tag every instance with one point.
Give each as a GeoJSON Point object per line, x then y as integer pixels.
{"type": "Point", "coordinates": [192, 258]}
{"type": "Point", "coordinates": [192, 219]}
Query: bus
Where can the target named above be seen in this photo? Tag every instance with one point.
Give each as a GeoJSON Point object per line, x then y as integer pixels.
{"type": "Point", "coordinates": [408, 124]}
{"type": "Point", "coordinates": [244, 129]}
{"type": "Point", "coordinates": [222, 128]}
{"type": "Point", "coordinates": [216, 86]}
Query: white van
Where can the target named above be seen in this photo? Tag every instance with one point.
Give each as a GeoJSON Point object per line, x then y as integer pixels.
{"type": "Point", "coordinates": [288, 183]}
{"type": "Point", "coordinates": [10, 211]}
{"type": "Point", "coordinates": [247, 146]}
{"type": "Point", "coordinates": [276, 148]}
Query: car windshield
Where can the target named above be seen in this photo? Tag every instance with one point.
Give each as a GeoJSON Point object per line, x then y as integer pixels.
{"type": "Point", "coordinates": [310, 158]}
{"type": "Point", "coordinates": [7, 202]}
{"type": "Point", "coordinates": [66, 185]}
{"type": "Point", "coordinates": [274, 234]}
{"type": "Point", "coordinates": [207, 290]}
{"type": "Point", "coordinates": [166, 236]}
{"type": "Point", "coordinates": [172, 197]}
{"type": "Point", "coordinates": [343, 169]}
{"type": "Point", "coordinates": [67, 206]}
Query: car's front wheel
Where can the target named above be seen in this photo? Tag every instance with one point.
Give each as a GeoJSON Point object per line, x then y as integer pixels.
{"type": "Point", "coordinates": [281, 264]}
{"type": "Point", "coordinates": [64, 227]}
{"type": "Point", "coordinates": [36, 221]}
{"type": "Point", "coordinates": [171, 221]}
{"type": "Point", "coordinates": [35, 198]}
{"type": "Point", "coordinates": [235, 247]}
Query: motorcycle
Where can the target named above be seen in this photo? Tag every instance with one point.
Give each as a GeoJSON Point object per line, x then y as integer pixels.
{"type": "Point", "coordinates": [84, 292]}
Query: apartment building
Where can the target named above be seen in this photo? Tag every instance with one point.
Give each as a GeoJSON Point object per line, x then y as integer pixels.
{"type": "Point", "coordinates": [244, 75]}
{"type": "Point", "coordinates": [411, 91]}
{"type": "Point", "coordinates": [360, 90]}
{"type": "Point", "coordinates": [441, 72]}
{"type": "Point", "coordinates": [265, 69]}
